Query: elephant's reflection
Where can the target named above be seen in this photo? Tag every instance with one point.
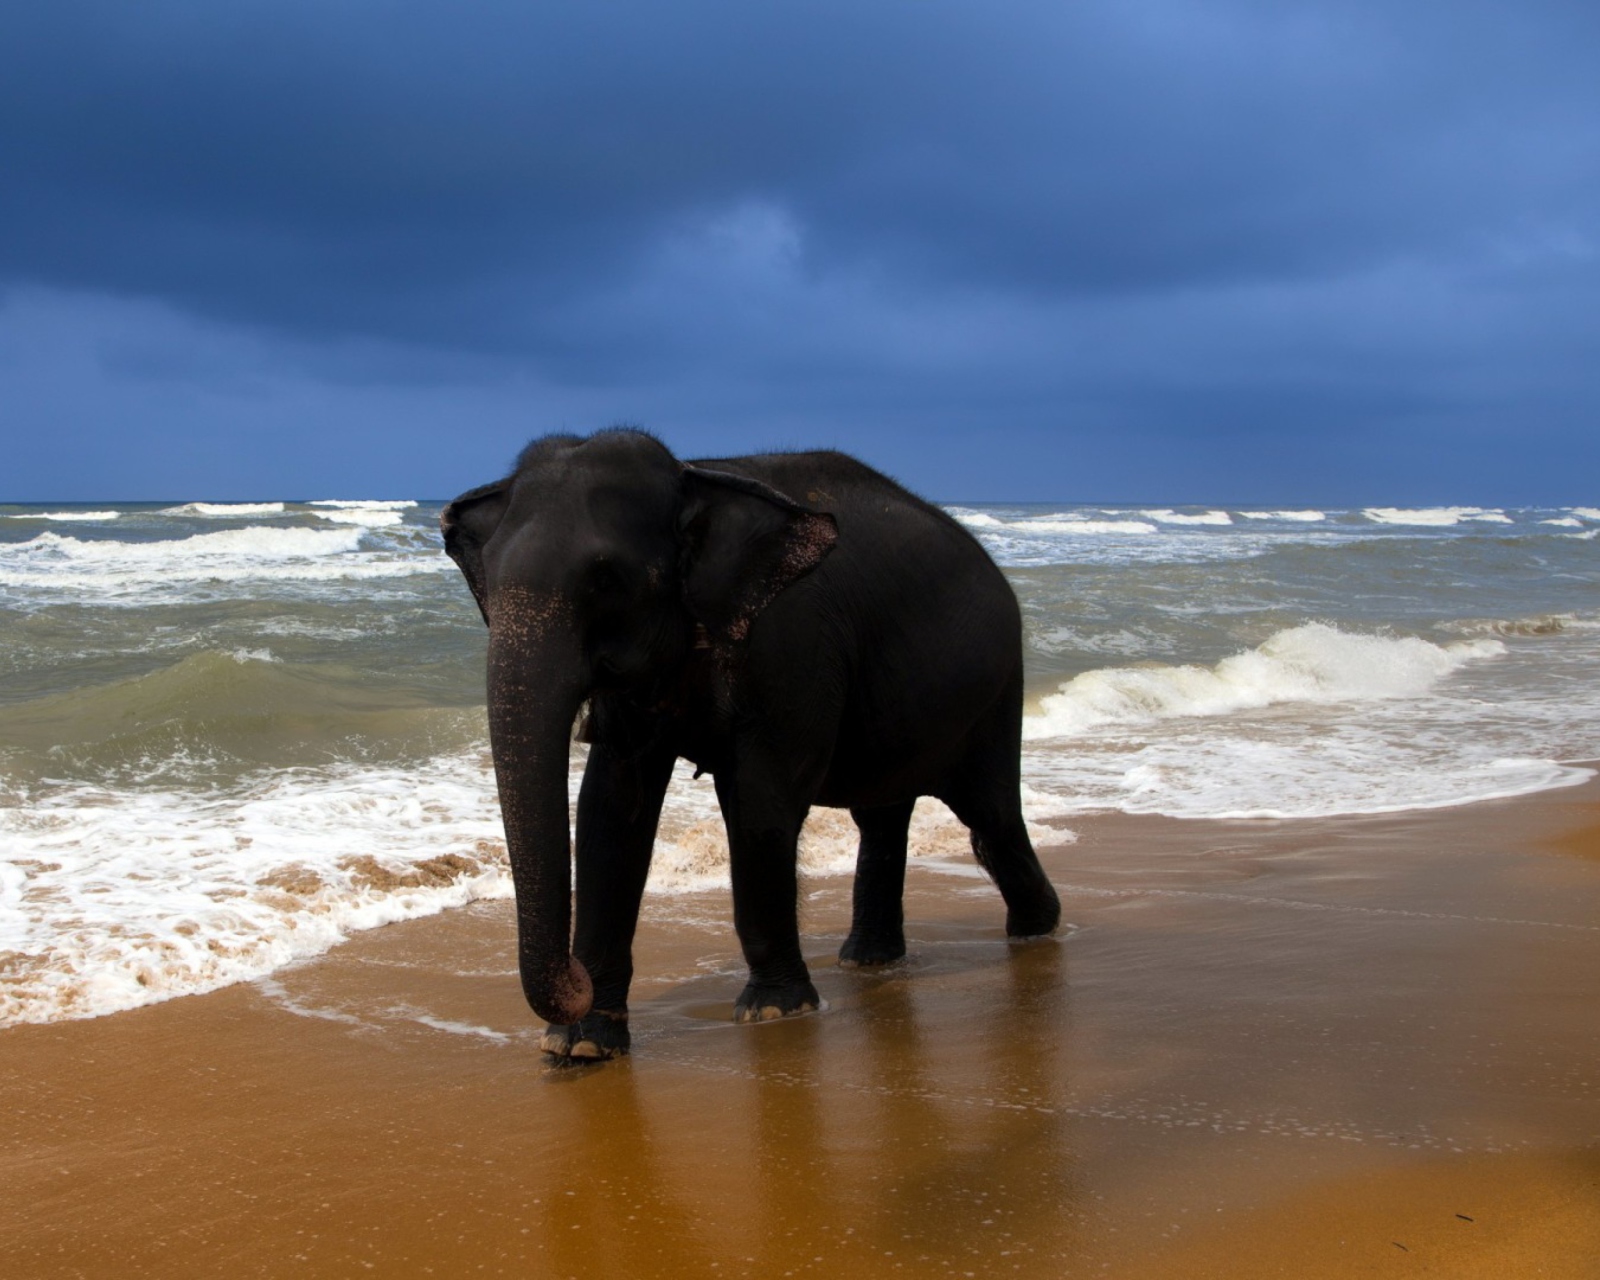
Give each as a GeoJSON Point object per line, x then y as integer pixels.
{"type": "Point", "coordinates": [922, 1142]}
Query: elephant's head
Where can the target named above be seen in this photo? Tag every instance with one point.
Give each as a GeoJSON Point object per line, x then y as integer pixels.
{"type": "Point", "coordinates": [595, 564]}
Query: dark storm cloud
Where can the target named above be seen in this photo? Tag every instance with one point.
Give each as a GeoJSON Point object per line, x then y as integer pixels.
{"type": "Point", "coordinates": [1128, 215]}
{"type": "Point", "coordinates": [458, 172]}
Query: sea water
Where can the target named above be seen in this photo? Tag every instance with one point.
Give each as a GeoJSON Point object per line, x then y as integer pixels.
{"type": "Point", "coordinates": [230, 734]}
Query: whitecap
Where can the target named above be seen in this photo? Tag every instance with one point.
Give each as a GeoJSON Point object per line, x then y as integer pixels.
{"type": "Point", "coordinates": [1434, 516]}
{"type": "Point", "coordinates": [1313, 663]}
{"type": "Point", "coordinates": [976, 519]}
{"type": "Point", "coordinates": [116, 570]}
{"type": "Point", "coordinates": [1305, 517]}
{"type": "Point", "coordinates": [73, 517]}
{"type": "Point", "coordinates": [368, 517]}
{"type": "Point", "coordinates": [1588, 513]}
{"type": "Point", "coordinates": [1167, 516]}
{"type": "Point", "coordinates": [365, 504]}
{"type": "Point", "coordinates": [225, 510]}
{"type": "Point", "coordinates": [1085, 526]}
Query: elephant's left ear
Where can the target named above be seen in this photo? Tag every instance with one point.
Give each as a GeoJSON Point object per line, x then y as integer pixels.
{"type": "Point", "coordinates": [468, 523]}
{"type": "Point", "coordinates": [743, 543]}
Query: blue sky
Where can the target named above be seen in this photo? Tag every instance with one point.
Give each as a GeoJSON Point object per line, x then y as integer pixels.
{"type": "Point", "coordinates": [1239, 251]}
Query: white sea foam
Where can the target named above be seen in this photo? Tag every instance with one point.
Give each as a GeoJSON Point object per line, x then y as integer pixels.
{"type": "Point", "coordinates": [1588, 513]}
{"type": "Point", "coordinates": [1282, 771]}
{"type": "Point", "coordinates": [1166, 516]}
{"type": "Point", "coordinates": [1435, 516]}
{"type": "Point", "coordinates": [1065, 522]}
{"type": "Point", "coordinates": [1317, 722]}
{"type": "Point", "coordinates": [365, 504]}
{"type": "Point", "coordinates": [1306, 517]}
{"type": "Point", "coordinates": [1565, 522]}
{"type": "Point", "coordinates": [116, 570]}
{"type": "Point", "coordinates": [71, 517]}
{"type": "Point", "coordinates": [225, 510]}
{"type": "Point", "coordinates": [368, 517]}
{"type": "Point", "coordinates": [116, 898]}
{"type": "Point", "coordinates": [1085, 526]}
{"type": "Point", "coordinates": [691, 853]}
{"type": "Point", "coordinates": [1314, 663]}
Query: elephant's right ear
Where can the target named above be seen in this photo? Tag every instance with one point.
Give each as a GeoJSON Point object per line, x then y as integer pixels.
{"type": "Point", "coordinates": [467, 524]}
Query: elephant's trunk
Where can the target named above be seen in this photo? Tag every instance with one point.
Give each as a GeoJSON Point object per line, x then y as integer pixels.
{"type": "Point", "coordinates": [535, 688]}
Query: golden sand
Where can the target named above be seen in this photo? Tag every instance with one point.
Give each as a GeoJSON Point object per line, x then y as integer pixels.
{"type": "Point", "coordinates": [1304, 1049]}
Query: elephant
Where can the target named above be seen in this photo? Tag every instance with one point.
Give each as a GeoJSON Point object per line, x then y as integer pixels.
{"type": "Point", "coordinates": [797, 625]}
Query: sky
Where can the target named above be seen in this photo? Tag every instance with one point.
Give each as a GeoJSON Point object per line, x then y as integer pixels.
{"type": "Point", "coordinates": [1335, 252]}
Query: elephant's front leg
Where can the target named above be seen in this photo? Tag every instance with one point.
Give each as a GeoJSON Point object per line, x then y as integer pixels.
{"type": "Point", "coordinates": [619, 806]}
{"type": "Point", "coordinates": [763, 820]}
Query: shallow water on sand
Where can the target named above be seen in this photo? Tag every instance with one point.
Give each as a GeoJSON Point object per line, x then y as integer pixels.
{"type": "Point", "coordinates": [231, 735]}
{"type": "Point", "coordinates": [1316, 1048]}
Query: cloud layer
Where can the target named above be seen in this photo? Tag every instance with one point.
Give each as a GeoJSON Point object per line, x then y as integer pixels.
{"type": "Point", "coordinates": [1143, 249]}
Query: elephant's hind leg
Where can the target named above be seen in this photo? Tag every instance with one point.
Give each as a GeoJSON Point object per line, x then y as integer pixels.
{"type": "Point", "coordinates": [877, 925]}
{"type": "Point", "coordinates": [1003, 849]}
{"type": "Point", "coordinates": [986, 794]}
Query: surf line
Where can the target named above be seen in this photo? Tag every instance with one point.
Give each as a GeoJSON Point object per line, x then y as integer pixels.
{"type": "Point", "coordinates": [1297, 904]}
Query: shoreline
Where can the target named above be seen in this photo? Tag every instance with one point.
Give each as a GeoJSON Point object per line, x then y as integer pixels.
{"type": "Point", "coordinates": [1264, 1047]}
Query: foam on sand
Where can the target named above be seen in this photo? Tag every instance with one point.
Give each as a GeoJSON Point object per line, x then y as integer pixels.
{"type": "Point", "coordinates": [1312, 663]}
{"type": "Point", "coordinates": [113, 898]}
{"type": "Point", "coordinates": [691, 853]}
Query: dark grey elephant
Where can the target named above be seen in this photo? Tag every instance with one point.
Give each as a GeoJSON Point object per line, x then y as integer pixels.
{"type": "Point", "coordinates": [797, 625]}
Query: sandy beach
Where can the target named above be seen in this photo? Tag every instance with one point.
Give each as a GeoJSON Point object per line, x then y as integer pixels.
{"type": "Point", "coordinates": [1357, 1046]}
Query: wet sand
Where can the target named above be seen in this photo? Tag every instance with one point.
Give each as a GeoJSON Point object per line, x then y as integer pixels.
{"type": "Point", "coordinates": [1347, 1047]}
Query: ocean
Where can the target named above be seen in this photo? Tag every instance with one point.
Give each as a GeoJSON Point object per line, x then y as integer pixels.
{"type": "Point", "coordinates": [231, 734]}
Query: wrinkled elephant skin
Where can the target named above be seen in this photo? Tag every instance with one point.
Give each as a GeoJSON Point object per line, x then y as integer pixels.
{"type": "Point", "coordinates": [797, 625]}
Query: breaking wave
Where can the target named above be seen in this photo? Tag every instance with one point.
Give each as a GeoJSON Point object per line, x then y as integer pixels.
{"type": "Point", "coordinates": [1312, 663]}
{"type": "Point", "coordinates": [70, 517]}
{"type": "Point", "coordinates": [1435, 516]}
{"type": "Point", "coordinates": [225, 510]}
{"type": "Point", "coordinates": [120, 570]}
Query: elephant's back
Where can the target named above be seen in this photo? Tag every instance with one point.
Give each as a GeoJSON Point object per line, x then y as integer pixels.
{"type": "Point", "coordinates": [884, 528]}
{"type": "Point", "coordinates": [927, 625]}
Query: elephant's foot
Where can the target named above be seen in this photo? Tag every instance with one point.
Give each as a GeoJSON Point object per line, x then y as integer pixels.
{"type": "Point", "coordinates": [598, 1035]}
{"type": "Point", "coordinates": [764, 1002]}
{"type": "Point", "coordinates": [860, 950]}
{"type": "Point", "coordinates": [1034, 921]}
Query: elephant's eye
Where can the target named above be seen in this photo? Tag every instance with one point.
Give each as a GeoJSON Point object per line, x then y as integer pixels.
{"type": "Point", "coordinates": [605, 578]}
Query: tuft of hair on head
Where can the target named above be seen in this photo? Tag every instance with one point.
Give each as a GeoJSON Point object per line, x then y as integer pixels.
{"type": "Point", "coordinates": [536, 448]}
